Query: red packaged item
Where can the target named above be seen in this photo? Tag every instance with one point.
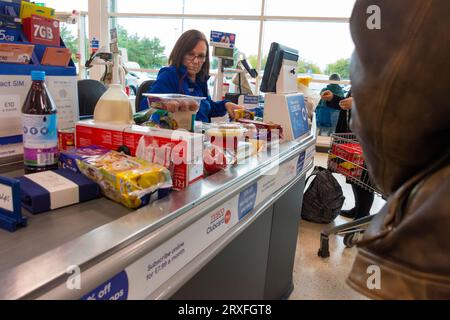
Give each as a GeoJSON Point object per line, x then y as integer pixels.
{"type": "Point", "coordinates": [66, 139]}
{"type": "Point", "coordinates": [351, 152]}
{"type": "Point", "coordinates": [216, 159]}
{"type": "Point", "coordinates": [42, 30]}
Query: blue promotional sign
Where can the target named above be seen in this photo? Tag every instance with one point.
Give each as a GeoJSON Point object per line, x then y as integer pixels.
{"type": "Point", "coordinates": [10, 205]}
{"type": "Point", "coordinates": [95, 44]}
{"type": "Point", "coordinates": [223, 38]}
{"type": "Point", "coordinates": [115, 288]}
{"type": "Point", "coordinates": [247, 200]}
{"type": "Point", "coordinates": [301, 162]}
{"type": "Point", "coordinates": [248, 99]}
{"type": "Point", "coordinates": [298, 115]}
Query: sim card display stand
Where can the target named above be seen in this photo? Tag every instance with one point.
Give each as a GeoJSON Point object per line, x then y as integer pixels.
{"type": "Point", "coordinates": [283, 104]}
{"type": "Point", "coordinates": [15, 81]}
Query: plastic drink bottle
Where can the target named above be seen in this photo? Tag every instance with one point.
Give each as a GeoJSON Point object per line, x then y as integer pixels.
{"type": "Point", "coordinates": [39, 123]}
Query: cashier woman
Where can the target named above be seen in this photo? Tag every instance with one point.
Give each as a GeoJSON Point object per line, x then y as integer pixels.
{"type": "Point", "coordinates": [188, 73]}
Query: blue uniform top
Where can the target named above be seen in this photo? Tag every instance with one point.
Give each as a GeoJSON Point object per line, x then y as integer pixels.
{"type": "Point", "coordinates": [173, 80]}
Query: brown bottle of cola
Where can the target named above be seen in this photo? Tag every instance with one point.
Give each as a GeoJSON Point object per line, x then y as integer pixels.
{"type": "Point", "coordinates": [39, 123]}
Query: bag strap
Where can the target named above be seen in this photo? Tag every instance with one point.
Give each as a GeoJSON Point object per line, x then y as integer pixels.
{"type": "Point", "coordinates": [316, 171]}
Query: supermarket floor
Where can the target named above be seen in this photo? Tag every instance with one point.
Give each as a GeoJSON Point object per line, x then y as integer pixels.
{"type": "Point", "coordinates": [317, 278]}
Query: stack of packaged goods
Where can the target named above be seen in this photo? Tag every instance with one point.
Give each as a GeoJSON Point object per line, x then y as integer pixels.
{"type": "Point", "coordinates": [347, 158]}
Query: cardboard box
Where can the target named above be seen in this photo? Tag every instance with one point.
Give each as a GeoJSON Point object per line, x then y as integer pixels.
{"type": "Point", "coordinates": [183, 148]}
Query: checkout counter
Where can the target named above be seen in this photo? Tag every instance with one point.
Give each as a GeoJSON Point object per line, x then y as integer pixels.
{"type": "Point", "coordinates": [232, 235]}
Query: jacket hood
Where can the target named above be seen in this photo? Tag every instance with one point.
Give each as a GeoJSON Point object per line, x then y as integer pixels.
{"type": "Point", "coordinates": [400, 86]}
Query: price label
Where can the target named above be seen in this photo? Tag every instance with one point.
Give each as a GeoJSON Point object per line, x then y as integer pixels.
{"type": "Point", "coordinates": [44, 31]}
{"type": "Point", "coordinates": [9, 105]}
{"type": "Point", "coordinates": [6, 199]}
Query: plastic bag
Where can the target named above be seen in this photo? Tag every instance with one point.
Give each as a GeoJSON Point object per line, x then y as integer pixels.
{"type": "Point", "coordinates": [127, 180]}
{"type": "Point", "coordinates": [312, 98]}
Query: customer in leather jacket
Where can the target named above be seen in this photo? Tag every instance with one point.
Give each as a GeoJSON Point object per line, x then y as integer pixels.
{"type": "Point", "coordinates": [404, 130]}
{"type": "Point", "coordinates": [363, 197]}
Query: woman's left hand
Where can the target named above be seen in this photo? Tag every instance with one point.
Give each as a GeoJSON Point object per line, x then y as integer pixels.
{"type": "Point", "coordinates": [231, 107]}
{"type": "Point", "coordinates": [346, 104]}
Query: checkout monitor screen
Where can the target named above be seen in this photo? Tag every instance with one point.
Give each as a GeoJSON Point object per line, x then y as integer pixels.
{"type": "Point", "coordinates": [226, 53]}
{"type": "Point", "coordinates": [277, 54]}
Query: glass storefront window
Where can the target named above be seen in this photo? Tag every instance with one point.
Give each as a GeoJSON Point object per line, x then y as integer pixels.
{"type": "Point", "coordinates": [309, 8]}
{"type": "Point", "coordinates": [66, 5]}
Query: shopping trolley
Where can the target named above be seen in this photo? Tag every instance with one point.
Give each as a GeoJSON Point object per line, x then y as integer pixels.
{"type": "Point", "coordinates": [345, 157]}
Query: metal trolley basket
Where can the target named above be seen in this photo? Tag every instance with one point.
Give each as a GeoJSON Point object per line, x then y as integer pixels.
{"type": "Point", "coordinates": [345, 157]}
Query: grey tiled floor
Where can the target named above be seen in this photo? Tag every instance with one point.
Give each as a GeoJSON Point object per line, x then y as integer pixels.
{"type": "Point", "coordinates": [318, 278]}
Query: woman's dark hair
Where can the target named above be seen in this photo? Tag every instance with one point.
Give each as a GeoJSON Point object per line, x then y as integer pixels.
{"type": "Point", "coordinates": [185, 44]}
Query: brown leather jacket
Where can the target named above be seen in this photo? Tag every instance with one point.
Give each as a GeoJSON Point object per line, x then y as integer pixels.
{"type": "Point", "coordinates": [404, 130]}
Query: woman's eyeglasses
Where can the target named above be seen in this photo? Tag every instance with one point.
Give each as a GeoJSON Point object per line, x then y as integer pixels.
{"type": "Point", "coordinates": [192, 57]}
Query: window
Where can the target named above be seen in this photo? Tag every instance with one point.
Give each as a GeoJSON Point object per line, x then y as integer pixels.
{"type": "Point", "coordinates": [67, 6]}
{"type": "Point", "coordinates": [310, 8]}
{"type": "Point", "coordinates": [229, 7]}
{"type": "Point", "coordinates": [322, 46]}
{"type": "Point", "coordinates": [145, 6]}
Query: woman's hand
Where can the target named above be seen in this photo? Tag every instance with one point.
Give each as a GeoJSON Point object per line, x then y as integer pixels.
{"type": "Point", "coordinates": [327, 95]}
{"type": "Point", "coordinates": [231, 107]}
{"type": "Point", "coordinates": [346, 104]}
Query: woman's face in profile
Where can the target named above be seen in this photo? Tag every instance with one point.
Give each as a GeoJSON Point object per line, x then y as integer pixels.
{"type": "Point", "coordinates": [194, 60]}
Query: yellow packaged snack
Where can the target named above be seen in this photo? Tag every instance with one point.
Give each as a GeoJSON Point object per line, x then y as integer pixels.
{"type": "Point", "coordinates": [130, 181]}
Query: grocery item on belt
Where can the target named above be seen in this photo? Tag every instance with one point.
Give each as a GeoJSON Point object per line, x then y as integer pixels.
{"type": "Point", "coordinates": [270, 132]}
{"type": "Point", "coordinates": [181, 108]}
{"type": "Point", "coordinates": [125, 179]}
{"type": "Point", "coordinates": [216, 159]}
{"type": "Point", "coordinates": [48, 190]}
{"type": "Point", "coordinates": [68, 158]}
{"type": "Point", "coordinates": [244, 114]}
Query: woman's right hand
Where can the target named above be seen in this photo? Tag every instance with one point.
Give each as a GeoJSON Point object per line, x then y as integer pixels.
{"type": "Point", "coordinates": [327, 95]}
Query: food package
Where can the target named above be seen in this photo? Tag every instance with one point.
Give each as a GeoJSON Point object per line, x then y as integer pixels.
{"type": "Point", "coordinates": [125, 179]}
{"type": "Point", "coordinates": [216, 159]}
{"type": "Point", "coordinates": [347, 158]}
{"type": "Point", "coordinates": [226, 135]}
{"type": "Point", "coordinates": [244, 114]}
{"type": "Point", "coordinates": [349, 151]}
{"type": "Point", "coordinates": [270, 133]}
{"type": "Point", "coordinates": [179, 151]}
{"type": "Point", "coordinates": [182, 108]}
{"type": "Point", "coordinates": [68, 158]}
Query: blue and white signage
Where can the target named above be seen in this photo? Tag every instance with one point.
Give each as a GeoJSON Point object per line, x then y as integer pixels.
{"type": "Point", "coordinates": [223, 39]}
{"type": "Point", "coordinates": [298, 115]}
{"type": "Point", "coordinates": [301, 162]}
{"type": "Point", "coordinates": [114, 289]}
{"type": "Point", "coordinates": [247, 199]}
{"type": "Point", "coordinates": [10, 205]}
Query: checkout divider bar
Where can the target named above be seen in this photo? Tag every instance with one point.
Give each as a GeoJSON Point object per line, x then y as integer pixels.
{"type": "Point", "coordinates": [45, 276]}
